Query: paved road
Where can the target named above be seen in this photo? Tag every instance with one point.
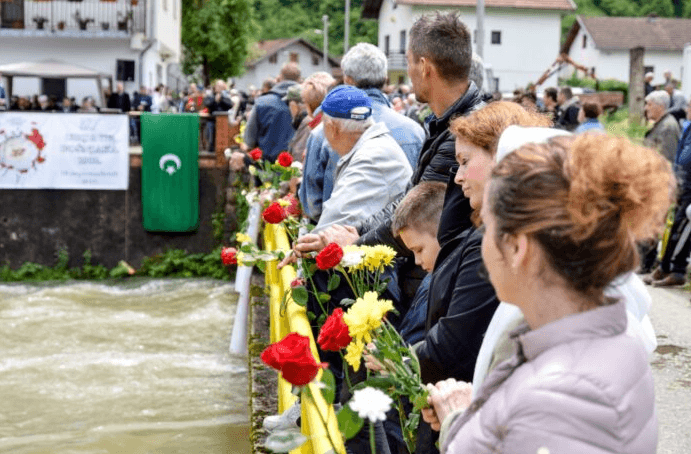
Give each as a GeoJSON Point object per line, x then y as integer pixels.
{"type": "Point", "coordinates": [671, 363]}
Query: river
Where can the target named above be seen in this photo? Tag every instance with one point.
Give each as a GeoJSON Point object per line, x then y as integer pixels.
{"type": "Point", "coordinates": [138, 366]}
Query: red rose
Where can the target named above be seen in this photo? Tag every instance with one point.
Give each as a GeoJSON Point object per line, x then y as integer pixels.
{"type": "Point", "coordinates": [334, 333]}
{"type": "Point", "coordinates": [285, 159]}
{"type": "Point", "coordinates": [229, 256]}
{"type": "Point", "coordinates": [256, 154]}
{"type": "Point", "coordinates": [329, 257]}
{"type": "Point", "coordinates": [274, 213]}
{"type": "Point", "coordinates": [297, 282]}
{"type": "Point", "coordinates": [294, 208]}
{"type": "Point", "coordinates": [293, 357]}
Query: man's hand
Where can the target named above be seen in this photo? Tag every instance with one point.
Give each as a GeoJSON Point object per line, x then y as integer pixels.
{"type": "Point", "coordinates": [237, 161]}
{"type": "Point", "coordinates": [343, 235]}
{"type": "Point", "coordinates": [446, 397]}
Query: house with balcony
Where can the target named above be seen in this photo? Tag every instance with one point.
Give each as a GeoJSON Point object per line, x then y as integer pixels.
{"type": "Point", "coordinates": [521, 36]}
{"type": "Point", "coordinates": [271, 55]}
{"type": "Point", "coordinates": [133, 41]}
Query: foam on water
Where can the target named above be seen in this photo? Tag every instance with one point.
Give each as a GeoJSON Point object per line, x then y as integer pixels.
{"type": "Point", "coordinates": [86, 361]}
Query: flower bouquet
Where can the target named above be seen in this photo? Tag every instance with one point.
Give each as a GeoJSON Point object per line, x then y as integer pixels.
{"type": "Point", "coordinates": [273, 174]}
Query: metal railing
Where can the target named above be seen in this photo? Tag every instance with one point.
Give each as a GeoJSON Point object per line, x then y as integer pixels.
{"type": "Point", "coordinates": [396, 61]}
{"type": "Point", "coordinates": [295, 320]}
{"type": "Point", "coordinates": [74, 18]}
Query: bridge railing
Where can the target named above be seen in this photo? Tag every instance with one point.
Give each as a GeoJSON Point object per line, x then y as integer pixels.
{"type": "Point", "coordinates": [294, 319]}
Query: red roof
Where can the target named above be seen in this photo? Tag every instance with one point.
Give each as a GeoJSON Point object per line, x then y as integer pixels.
{"type": "Point", "coordinates": [370, 8]}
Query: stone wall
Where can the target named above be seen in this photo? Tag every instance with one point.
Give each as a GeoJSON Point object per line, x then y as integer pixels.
{"type": "Point", "coordinates": [36, 224]}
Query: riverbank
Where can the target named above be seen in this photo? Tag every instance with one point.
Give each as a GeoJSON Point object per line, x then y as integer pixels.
{"type": "Point", "coordinates": [262, 381]}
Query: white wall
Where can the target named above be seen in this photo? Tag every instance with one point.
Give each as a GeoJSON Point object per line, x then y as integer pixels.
{"type": "Point", "coordinates": [614, 64]}
{"type": "Point", "coordinates": [529, 38]}
{"type": "Point", "coordinates": [167, 27]}
{"type": "Point", "coordinates": [265, 69]}
{"type": "Point", "coordinates": [96, 54]}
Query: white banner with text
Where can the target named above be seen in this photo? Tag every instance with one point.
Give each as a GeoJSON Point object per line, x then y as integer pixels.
{"type": "Point", "coordinates": [64, 151]}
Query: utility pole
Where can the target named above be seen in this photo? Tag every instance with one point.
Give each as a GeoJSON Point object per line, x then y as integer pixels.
{"type": "Point", "coordinates": [325, 19]}
{"type": "Point", "coordinates": [346, 34]}
{"type": "Point", "coordinates": [480, 15]}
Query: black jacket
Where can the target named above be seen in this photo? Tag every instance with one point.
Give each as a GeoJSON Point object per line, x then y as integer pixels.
{"type": "Point", "coordinates": [460, 307]}
{"type": "Point", "coordinates": [437, 157]}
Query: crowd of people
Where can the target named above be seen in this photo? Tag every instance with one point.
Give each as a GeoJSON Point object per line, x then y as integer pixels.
{"type": "Point", "coordinates": [521, 228]}
{"type": "Point", "coordinates": [517, 226]}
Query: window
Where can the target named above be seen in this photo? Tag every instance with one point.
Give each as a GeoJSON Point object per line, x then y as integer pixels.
{"type": "Point", "coordinates": [315, 60]}
{"type": "Point", "coordinates": [387, 40]}
{"type": "Point", "coordinates": [402, 48]}
{"type": "Point", "coordinates": [273, 59]}
{"type": "Point", "coordinates": [294, 57]}
{"type": "Point", "coordinates": [585, 41]}
{"type": "Point", "coordinates": [496, 37]}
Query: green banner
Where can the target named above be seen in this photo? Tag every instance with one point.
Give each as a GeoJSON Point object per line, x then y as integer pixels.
{"type": "Point", "coordinates": [170, 172]}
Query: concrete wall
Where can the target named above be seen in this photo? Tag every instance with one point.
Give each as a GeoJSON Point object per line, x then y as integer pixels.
{"type": "Point", "coordinates": [529, 38]}
{"type": "Point", "coordinates": [36, 224]}
{"type": "Point", "coordinates": [266, 69]}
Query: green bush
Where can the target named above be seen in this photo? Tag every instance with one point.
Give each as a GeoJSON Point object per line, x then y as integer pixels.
{"type": "Point", "coordinates": [614, 85]}
{"type": "Point", "coordinates": [575, 81]}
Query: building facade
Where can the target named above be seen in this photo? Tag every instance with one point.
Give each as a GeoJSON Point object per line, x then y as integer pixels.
{"type": "Point", "coordinates": [521, 36]}
{"type": "Point", "coordinates": [134, 41]}
{"type": "Point", "coordinates": [275, 53]}
{"type": "Point", "coordinates": [604, 43]}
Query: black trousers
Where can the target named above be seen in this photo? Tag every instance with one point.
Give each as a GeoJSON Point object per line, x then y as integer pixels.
{"type": "Point", "coordinates": [676, 255]}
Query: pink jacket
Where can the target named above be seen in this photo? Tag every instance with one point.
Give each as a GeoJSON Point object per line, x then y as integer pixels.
{"type": "Point", "coordinates": [576, 385]}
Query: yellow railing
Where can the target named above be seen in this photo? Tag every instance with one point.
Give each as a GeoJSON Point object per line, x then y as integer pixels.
{"type": "Point", "coordinates": [295, 320]}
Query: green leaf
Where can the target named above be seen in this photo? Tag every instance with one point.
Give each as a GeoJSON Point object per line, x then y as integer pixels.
{"type": "Point", "coordinates": [349, 422]}
{"type": "Point", "coordinates": [262, 266]}
{"type": "Point", "coordinates": [310, 269]}
{"type": "Point", "coordinates": [300, 295]}
{"type": "Point", "coordinates": [285, 440]}
{"type": "Point", "coordinates": [324, 297]}
{"type": "Point", "coordinates": [311, 316]}
{"type": "Point", "coordinates": [379, 382]}
{"type": "Point", "coordinates": [420, 401]}
{"type": "Point", "coordinates": [334, 282]}
{"type": "Point", "coordinates": [321, 319]}
{"type": "Point", "coordinates": [329, 388]}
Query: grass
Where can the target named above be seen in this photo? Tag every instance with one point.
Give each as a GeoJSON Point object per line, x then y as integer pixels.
{"type": "Point", "coordinates": [618, 124]}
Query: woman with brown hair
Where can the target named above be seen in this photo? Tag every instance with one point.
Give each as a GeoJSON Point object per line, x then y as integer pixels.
{"type": "Point", "coordinates": [561, 222]}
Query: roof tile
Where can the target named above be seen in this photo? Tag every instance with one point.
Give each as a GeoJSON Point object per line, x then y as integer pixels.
{"type": "Point", "coordinates": [629, 32]}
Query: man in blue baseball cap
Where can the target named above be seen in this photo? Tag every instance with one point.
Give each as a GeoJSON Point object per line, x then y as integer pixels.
{"type": "Point", "coordinates": [372, 169]}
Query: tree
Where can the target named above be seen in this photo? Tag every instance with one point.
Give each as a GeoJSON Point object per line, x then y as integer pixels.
{"type": "Point", "coordinates": [215, 35]}
{"type": "Point", "coordinates": [299, 18]}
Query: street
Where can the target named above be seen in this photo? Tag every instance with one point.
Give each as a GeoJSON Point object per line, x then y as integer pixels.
{"type": "Point", "coordinates": [671, 363]}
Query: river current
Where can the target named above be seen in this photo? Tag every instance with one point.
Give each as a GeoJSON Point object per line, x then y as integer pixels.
{"type": "Point", "coordinates": [135, 367]}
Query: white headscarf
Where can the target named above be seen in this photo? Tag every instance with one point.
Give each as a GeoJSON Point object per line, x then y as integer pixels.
{"type": "Point", "coordinates": [628, 287]}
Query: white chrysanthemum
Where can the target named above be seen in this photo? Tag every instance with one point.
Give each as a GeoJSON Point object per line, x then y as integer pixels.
{"type": "Point", "coordinates": [371, 403]}
{"type": "Point", "coordinates": [352, 256]}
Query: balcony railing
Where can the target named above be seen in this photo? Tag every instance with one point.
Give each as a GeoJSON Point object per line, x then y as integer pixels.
{"type": "Point", "coordinates": [397, 61]}
{"type": "Point", "coordinates": [72, 17]}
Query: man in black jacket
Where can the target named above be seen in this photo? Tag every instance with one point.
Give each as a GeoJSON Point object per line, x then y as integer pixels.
{"type": "Point", "coordinates": [439, 60]}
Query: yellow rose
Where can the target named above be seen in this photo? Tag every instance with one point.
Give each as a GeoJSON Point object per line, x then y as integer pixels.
{"type": "Point", "coordinates": [353, 354]}
{"type": "Point", "coordinates": [242, 238]}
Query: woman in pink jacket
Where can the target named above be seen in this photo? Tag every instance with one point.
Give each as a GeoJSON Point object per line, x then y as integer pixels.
{"type": "Point", "coordinates": [561, 223]}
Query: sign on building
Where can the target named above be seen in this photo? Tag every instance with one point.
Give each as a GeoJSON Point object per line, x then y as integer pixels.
{"type": "Point", "coordinates": [63, 151]}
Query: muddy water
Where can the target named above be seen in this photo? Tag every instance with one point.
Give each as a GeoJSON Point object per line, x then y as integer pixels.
{"type": "Point", "coordinates": [140, 367]}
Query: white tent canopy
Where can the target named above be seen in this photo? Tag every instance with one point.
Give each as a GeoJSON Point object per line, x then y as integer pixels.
{"type": "Point", "coordinates": [51, 69]}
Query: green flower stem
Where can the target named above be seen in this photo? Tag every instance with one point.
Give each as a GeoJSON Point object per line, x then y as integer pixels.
{"type": "Point", "coordinates": [372, 444]}
{"type": "Point", "coordinates": [350, 283]}
{"type": "Point", "coordinates": [345, 370]}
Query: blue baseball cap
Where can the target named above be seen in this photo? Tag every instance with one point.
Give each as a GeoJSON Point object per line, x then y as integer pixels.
{"type": "Point", "coordinates": [347, 102]}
